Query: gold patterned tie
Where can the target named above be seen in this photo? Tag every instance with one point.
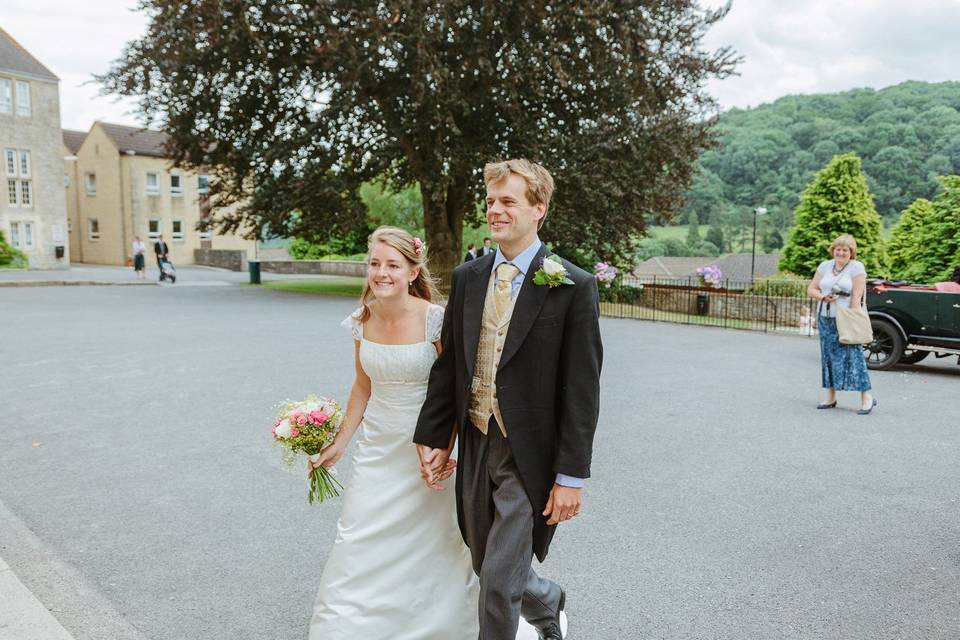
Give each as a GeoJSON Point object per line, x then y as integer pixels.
{"type": "Point", "coordinates": [506, 272]}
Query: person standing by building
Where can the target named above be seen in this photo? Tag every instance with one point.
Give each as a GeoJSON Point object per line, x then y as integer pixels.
{"type": "Point", "coordinates": [139, 261]}
{"type": "Point", "coordinates": [163, 253]}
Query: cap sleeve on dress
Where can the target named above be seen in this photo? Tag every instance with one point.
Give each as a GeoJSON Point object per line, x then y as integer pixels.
{"type": "Point", "coordinates": [352, 324]}
{"type": "Point", "coordinates": [434, 322]}
{"type": "Point", "coordinates": [857, 269]}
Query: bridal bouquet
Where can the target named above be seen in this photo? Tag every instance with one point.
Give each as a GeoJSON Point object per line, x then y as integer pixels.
{"type": "Point", "coordinates": [307, 427]}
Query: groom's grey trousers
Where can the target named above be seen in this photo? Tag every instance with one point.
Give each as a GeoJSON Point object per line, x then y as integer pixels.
{"type": "Point", "coordinates": [498, 523]}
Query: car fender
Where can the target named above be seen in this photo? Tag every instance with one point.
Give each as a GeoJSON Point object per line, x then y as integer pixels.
{"type": "Point", "coordinates": [881, 315]}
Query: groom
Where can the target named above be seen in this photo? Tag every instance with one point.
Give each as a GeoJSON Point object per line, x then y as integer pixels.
{"type": "Point", "coordinates": [519, 374]}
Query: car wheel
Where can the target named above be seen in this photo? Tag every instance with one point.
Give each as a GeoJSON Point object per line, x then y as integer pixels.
{"type": "Point", "coordinates": [913, 357]}
{"type": "Point", "coordinates": [887, 347]}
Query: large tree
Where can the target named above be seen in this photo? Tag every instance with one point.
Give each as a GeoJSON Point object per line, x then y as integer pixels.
{"type": "Point", "coordinates": [904, 252]}
{"type": "Point", "coordinates": [296, 104]}
{"type": "Point", "coordinates": [837, 201]}
{"type": "Point", "coordinates": [925, 246]}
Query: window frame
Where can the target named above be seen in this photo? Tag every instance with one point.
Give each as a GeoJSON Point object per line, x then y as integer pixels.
{"type": "Point", "coordinates": [6, 96]}
{"type": "Point", "coordinates": [23, 89]}
{"type": "Point", "coordinates": [27, 243]}
{"type": "Point", "coordinates": [203, 190]}
{"type": "Point", "coordinates": [24, 160]}
{"type": "Point", "coordinates": [90, 183]}
{"type": "Point", "coordinates": [93, 235]}
{"type": "Point", "coordinates": [10, 162]}
{"type": "Point", "coordinates": [155, 189]}
{"type": "Point", "coordinates": [153, 235]}
{"type": "Point", "coordinates": [176, 192]}
{"type": "Point", "coordinates": [15, 234]}
{"type": "Point", "coordinates": [26, 186]}
{"type": "Point", "coordinates": [13, 192]}
{"type": "Point", "coordinates": [178, 236]}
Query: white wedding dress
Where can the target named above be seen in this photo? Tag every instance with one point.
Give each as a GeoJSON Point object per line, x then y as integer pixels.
{"type": "Point", "coordinates": [399, 569]}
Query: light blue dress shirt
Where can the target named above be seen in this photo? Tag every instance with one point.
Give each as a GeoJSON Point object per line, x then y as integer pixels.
{"type": "Point", "coordinates": [522, 262]}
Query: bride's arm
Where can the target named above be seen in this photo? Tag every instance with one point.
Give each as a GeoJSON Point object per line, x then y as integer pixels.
{"type": "Point", "coordinates": [356, 406]}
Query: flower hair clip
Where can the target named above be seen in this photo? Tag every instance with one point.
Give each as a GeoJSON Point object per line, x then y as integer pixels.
{"type": "Point", "coordinates": [418, 246]}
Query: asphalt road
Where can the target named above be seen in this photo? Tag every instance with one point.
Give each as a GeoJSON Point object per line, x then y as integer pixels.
{"type": "Point", "coordinates": [140, 496]}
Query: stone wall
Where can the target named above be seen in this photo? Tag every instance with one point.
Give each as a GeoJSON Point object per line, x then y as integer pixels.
{"type": "Point", "coordinates": [233, 259]}
{"type": "Point", "coordinates": [322, 267]}
{"type": "Point", "coordinates": [778, 311]}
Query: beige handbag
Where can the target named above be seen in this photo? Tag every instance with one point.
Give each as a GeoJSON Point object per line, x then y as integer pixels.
{"type": "Point", "coordinates": [853, 325]}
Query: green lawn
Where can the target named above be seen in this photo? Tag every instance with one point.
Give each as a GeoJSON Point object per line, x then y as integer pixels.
{"type": "Point", "coordinates": [349, 287]}
{"type": "Point", "coordinates": [678, 231]}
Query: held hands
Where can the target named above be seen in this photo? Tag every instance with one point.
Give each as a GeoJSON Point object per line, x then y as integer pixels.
{"type": "Point", "coordinates": [436, 466]}
{"type": "Point", "coordinates": [563, 504]}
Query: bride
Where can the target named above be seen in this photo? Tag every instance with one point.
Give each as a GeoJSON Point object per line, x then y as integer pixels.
{"type": "Point", "coordinates": [398, 568]}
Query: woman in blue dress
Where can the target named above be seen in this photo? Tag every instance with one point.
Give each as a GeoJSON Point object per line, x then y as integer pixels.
{"type": "Point", "coordinates": [841, 282]}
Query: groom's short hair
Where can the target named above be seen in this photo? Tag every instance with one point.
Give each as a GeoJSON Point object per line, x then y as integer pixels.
{"type": "Point", "coordinates": [539, 181]}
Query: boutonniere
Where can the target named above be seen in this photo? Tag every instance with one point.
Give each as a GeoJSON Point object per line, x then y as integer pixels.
{"type": "Point", "coordinates": [551, 273]}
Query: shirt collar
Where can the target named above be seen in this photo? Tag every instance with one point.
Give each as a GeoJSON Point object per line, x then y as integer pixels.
{"type": "Point", "coordinates": [523, 259]}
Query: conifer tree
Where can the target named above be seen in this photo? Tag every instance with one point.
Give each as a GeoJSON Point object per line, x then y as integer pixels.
{"type": "Point", "coordinates": [903, 250]}
{"type": "Point", "coordinates": [837, 201]}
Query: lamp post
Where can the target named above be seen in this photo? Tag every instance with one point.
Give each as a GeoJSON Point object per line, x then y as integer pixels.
{"type": "Point", "coordinates": [759, 211]}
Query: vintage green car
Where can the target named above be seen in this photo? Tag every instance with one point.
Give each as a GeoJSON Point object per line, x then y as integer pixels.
{"type": "Point", "coordinates": [912, 321]}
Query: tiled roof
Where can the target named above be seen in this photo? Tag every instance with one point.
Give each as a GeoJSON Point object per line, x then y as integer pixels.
{"type": "Point", "coordinates": [73, 139]}
{"type": "Point", "coordinates": [734, 266]}
{"type": "Point", "coordinates": [670, 266]}
{"type": "Point", "coordinates": [16, 59]}
{"type": "Point", "coordinates": [143, 142]}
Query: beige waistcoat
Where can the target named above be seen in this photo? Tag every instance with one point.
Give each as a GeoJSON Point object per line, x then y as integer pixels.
{"type": "Point", "coordinates": [483, 389]}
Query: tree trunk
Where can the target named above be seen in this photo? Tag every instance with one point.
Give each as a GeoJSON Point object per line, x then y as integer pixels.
{"type": "Point", "coordinates": [443, 211]}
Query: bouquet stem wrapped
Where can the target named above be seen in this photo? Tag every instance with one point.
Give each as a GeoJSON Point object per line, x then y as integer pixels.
{"type": "Point", "coordinates": [306, 427]}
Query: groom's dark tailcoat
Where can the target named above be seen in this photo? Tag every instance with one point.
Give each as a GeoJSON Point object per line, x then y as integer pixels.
{"type": "Point", "coordinates": [547, 383]}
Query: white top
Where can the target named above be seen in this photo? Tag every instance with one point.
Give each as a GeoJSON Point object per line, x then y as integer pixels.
{"type": "Point", "coordinates": [431, 331]}
{"type": "Point", "coordinates": [844, 280]}
{"type": "Point", "coordinates": [138, 247]}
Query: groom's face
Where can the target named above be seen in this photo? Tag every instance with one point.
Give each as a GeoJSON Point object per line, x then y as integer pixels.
{"type": "Point", "coordinates": [511, 216]}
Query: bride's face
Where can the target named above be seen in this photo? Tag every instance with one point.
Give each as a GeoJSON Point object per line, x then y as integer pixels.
{"type": "Point", "coordinates": [388, 272]}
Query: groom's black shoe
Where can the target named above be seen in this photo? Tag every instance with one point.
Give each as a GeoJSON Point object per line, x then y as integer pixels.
{"type": "Point", "coordinates": [552, 631]}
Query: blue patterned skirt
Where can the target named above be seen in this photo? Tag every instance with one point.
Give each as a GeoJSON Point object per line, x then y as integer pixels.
{"type": "Point", "coordinates": [842, 365]}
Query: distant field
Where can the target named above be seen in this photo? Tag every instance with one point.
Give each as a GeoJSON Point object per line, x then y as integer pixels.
{"type": "Point", "coordinates": [678, 232]}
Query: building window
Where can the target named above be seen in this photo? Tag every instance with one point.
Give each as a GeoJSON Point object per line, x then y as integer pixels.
{"type": "Point", "coordinates": [23, 98]}
{"type": "Point", "coordinates": [12, 193]}
{"type": "Point", "coordinates": [176, 184]}
{"type": "Point", "coordinates": [24, 164]}
{"type": "Point", "coordinates": [178, 229]}
{"type": "Point", "coordinates": [153, 228]}
{"type": "Point", "coordinates": [11, 161]}
{"type": "Point", "coordinates": [28, 235]}
{"type": "Point", "coordinates": [6, 96]}
{"type": "Point", "coordinates": [15, 234]}
{"type": "Point", "coordinates": [93, 229]}
{"type": "Point", "coordinates": [203, 185]}
{"type": "Point", "coordinates": [90, 182]}
{"type": "Point", "coordinates": [153, 184]}
{"type": "Point", "coordinates": [26, 193]}
{"type": "Point", "coordinates": [205, 235]}
{"type": "Point", "coordinates": [21, 235]}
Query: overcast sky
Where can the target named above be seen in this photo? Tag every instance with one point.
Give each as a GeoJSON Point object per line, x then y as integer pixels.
{"type": "Point", "coordinates": [789, 46]}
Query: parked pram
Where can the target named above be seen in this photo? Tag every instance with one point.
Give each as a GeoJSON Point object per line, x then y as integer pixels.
{"type": "Point", "coordinates": [167, 271]}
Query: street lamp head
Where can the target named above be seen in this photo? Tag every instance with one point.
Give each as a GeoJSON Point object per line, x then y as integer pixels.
{"type": "Point", "coordinates": [760, 211]}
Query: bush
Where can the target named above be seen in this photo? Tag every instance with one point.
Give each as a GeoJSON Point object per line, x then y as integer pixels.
{"type": "Point", "coordinates": [782, 286]}
{"type": "Point", "coordinates": [352, 246]}
{"type": "Point", "coordinates": [9, 256]}
{"type": "Point", "coordinates": [622, 294]}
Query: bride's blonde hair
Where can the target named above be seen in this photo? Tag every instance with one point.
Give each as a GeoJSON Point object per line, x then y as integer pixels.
{"type": "Point", "coordinates": [414, 252]}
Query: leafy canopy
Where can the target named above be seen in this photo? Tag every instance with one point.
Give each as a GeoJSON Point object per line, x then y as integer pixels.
{"type": "Point", "coordinates": [296, 105]}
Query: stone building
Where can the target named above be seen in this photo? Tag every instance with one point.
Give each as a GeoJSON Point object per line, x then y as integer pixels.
{"type": "Point", "coordinates": [33, 209]}
{"type": "Point", "coordinates": [121, 184]}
